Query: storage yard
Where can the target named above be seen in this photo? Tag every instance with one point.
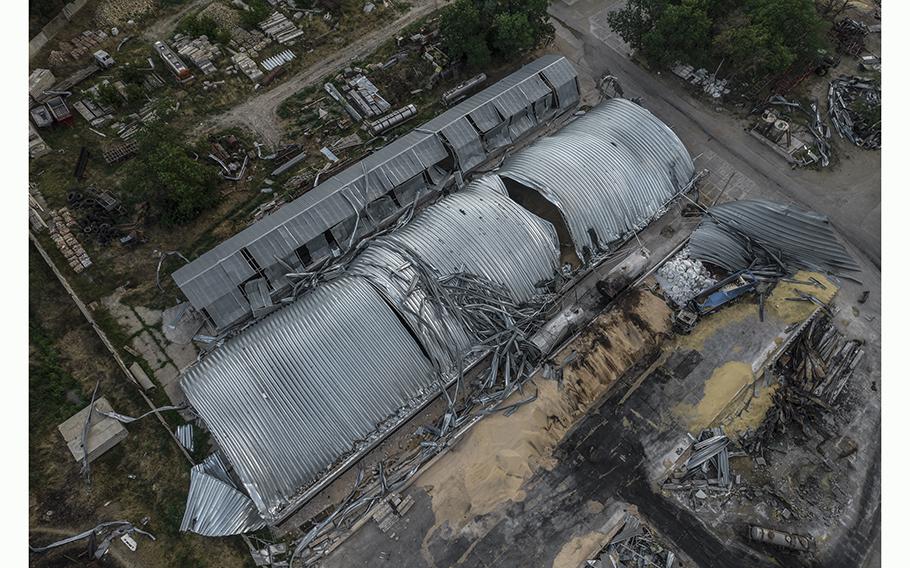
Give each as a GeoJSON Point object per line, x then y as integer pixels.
{"type": "Point", "coordinates": [380, 307]}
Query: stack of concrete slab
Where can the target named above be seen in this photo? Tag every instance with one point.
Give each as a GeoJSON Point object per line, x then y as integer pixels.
{"type": "Point", "coordinates": [279, 28]}
{"type": "Point", "coordinates": [103, 433]}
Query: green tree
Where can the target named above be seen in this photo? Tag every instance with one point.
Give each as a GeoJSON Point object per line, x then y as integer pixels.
{"type": "Point", "coordinates": [463, 34]}
{"type": "Point", "coordinates": [681, 33]}
{"type": "Point", "coordinates": [635, 20]}
{"type": "Point", "coordinates": [513, 34]}
{"type": "Point", "coordinates": [178, 187]}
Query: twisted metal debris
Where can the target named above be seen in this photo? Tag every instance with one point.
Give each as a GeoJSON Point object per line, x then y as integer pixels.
{"type": "Point", "coordinates": [111, 530]}
{"type": "Point", "coordinates": [819, 130]}
{"type": "Point", "coordinates": [812, 374]}
{"type": "Point", "coordinates": [854, 106]}
{"type": "Point", "coordinates": [634, 546]}
{"type": "Point", "coordinates": [708, 466]}
{"type": "Point", "coordinates": [215, 506]}
{"type": "Point", "coordinates": [737, 235]}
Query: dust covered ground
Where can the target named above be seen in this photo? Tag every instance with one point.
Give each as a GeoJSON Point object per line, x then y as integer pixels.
{"type": "Point", "coordinates": [537, 488]}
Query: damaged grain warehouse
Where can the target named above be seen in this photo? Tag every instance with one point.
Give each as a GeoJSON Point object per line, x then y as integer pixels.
{"type": "Point", "coordinates": [397, 304]}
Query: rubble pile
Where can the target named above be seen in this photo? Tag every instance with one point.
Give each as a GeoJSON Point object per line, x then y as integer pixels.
{"type": "Point", "coordinates": [119, 12]}
{"type": "Point", "coordinates": [812, 374]}
{"type": "Point", "coordinates": [848, 97]}
{"type": "Point", "coordinates": [77, 47]}
{"type": "Point", "coordinates": [682, 278]}
{"type": "Point", "coordinates": [707, 468]}
{"type": "Point", "coordinates": [850, 35]}
{"type": "Point", "coordinates": [634, 546]}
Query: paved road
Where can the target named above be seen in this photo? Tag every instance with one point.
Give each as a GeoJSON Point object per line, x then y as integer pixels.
{"type": "Point", "coordinates": [259, 113]}
{"type": "Point", "coordinates": [849, 194]}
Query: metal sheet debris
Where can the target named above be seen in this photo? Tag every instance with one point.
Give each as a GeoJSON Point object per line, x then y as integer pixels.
{"type": "Point", "coordinates": [740, 234]}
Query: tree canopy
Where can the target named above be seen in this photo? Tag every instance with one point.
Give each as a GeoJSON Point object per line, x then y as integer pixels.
{"type": "Point", "coordinates": [757, 38]}
{"type": "Point", "coordinates": [177, 187]}
{"type": "Point", "coordinates": [476, 31]}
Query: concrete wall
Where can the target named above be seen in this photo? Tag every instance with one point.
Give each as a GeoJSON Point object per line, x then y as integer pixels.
{"type": "Point", "coordinates": [50, 30]}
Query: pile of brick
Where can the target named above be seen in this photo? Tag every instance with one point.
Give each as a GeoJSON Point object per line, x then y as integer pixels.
{"type": "Point", "coordinates": [226, 18]}
{"type": "Point", "coordinates": [250, 43]}
{"type": "Point", "coordinates": [78, 47]}
{"type": "Point", "coordinates": [66, 241]}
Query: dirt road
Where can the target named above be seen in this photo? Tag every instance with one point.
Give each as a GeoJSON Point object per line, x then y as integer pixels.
{"type": "Point", "coordinates": [259, 113]}
{"type": "Point", "coordinates": [162, 28]}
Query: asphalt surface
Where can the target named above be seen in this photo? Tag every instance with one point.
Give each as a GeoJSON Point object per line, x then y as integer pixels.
{"type": "Point", "coordinates": [849, 193]}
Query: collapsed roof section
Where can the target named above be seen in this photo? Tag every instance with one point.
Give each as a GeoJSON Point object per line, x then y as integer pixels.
{"type": "Point", "coordinates": [607, 173]}
{"type": "Point", "coordinates": [338, 212]}
{"type": "Point", "coordinates": [734, 235]}
{"type": "Point", "coordinates": [477, 230]}
{"type": "Point", "coordinates": [288, 397]}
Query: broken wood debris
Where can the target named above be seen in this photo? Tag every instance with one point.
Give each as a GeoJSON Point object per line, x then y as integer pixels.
{"type": "Point", "coordinates": [812, 374]}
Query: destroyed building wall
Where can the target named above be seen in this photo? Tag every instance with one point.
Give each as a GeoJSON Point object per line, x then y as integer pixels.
{"type": "Point", "coordinates": [381, 185]}
{"type": "Point", "coordinates": [608, 173]}
{"type": "Point", "coordinates": [287, 398]}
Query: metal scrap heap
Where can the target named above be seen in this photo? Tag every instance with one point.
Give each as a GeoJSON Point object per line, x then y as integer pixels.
{"type": "Point", "coordinates": [854, 105]}
{"type": "Point", "coordinates": [812, 373]}
{"type": "Point", "coordinates": [634, 546]}
{"type": "Point", "coordinates": [740, 234]}
{"type": "Point", "coordinates": [708, 465]}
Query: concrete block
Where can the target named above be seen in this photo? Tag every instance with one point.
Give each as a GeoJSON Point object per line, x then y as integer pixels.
{"type": "Point", "coordinates": [141, 377]}
{"type": "Point", "coordinates": [103, 433]}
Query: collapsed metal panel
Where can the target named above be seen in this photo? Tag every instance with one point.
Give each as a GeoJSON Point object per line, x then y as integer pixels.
{"type": "Point", "coordinates": [480, 230]}
{"type": "Point", "coordinates": [798, 238]}
{"type": "Point", "coordinates": [214, 505]}
{"type": "Point", "coordinates": [291, 395]}
{"type": "Point", "coordinates": [608, 172]}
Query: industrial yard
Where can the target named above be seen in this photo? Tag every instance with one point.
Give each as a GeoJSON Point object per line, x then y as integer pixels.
{"type": "Point", "coordinates": [427, 284]}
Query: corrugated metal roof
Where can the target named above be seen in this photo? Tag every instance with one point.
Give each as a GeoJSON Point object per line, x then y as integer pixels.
{"type": "Point", "coordinates": [478, 230]}
{"type": "Point", "coordinates": [214, 505]}
{"type": "Point", "coordinates": [207, 284]}
{"type": "Point", "coordinates": [800, 239]}
{"type": "Point", "coordinates": [290, 395]}
{"type": "Point", "coordinates": [609, 171]}
{"type": "Point", "coordinates": [481, 231]}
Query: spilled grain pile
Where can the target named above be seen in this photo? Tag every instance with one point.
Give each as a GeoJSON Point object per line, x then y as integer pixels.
{"type": "Point", "coordinates": [489, 467]}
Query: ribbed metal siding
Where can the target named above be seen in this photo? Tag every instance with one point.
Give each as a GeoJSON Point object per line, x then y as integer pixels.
{"type": "Point", "coordinates": [479, 230]}
{"type": "Point", "coordinates": [610, 170]}
{"type": "Point", "coordinates": [523, 102]}
{"type": "Point", "coordinates": [801, 238]}
{"type": "Point", "coordinates": [214, 505]}
{"type": "Point", "coordinates": [288, 397]}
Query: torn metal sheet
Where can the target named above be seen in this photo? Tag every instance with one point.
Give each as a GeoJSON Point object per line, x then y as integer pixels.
{"type": "Point", "coordinates": [214, 505]}
{"type": "Point", "coordinates": [184, 435]}
{"type": "Point", "coordinates": [608, 173]}
{"type": "Point", "coordinates": [734, 235]}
